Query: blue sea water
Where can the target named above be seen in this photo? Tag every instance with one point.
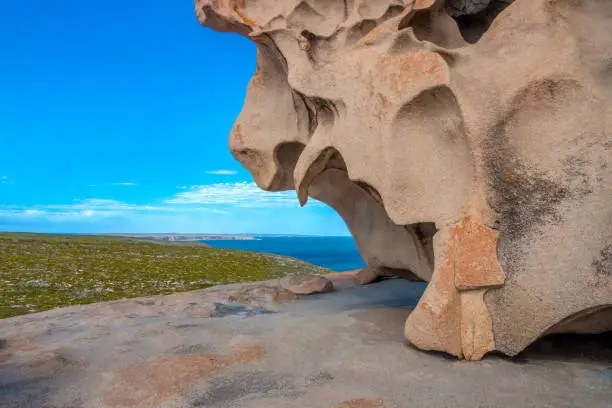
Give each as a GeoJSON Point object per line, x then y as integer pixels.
{"type": "Point", "coordinates": [336, 253]}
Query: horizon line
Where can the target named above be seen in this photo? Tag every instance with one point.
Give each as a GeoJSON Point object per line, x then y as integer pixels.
{"type": "Point", "coordinates": [172, 233]}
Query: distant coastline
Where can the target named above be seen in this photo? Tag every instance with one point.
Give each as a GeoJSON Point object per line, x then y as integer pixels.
{"type": "Point", "coordinates": [183, 237]}
{"type": "Point", "coordinates": [205, 237]}
{"type": "Point", "coordinates": [337, 253]}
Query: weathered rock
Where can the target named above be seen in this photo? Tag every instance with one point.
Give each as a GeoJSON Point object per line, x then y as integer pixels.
{"type": "Point", "coordinates": [154, 381]}
{"type": "Point", "coordinates": [307, 284]}
{"type": "Point", "coordinates": [473, 152]}
{"type": "Point", "coordinates": [344, 349]}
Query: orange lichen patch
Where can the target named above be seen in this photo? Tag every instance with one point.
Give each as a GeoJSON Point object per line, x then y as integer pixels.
{"type": "Point", "coordinates": [423, 62]}
{"type": "Point", "coordinates": [435, 323]}
{"type": "Point", "coordinates": [244, 18]}
{"type": "Point", "coordinates": [363, 403]}
{"type": "Point", "coordinates": [476, 264]}
{"type": "Point", "coordinates": [443, 283]}
{"type": "Point", "coordinates": [423, 4]}
{"type": "Point", "coordinates": [450, 320]}
{"type": "Point", "coordinates": [371, 37]}
{"type": "Point", "coordinates": [151, 382]}
{"type": "Point", "coordinates": [387, 27]}
{"type": "Point", "coordinates": [245, 353]}
{"type": "Point", "coordinates": [410, 74]}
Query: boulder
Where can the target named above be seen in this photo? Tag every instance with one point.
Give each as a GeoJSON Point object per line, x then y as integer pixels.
{"type": "Point", "coordinates": [307, 284]}
{"type": "Point", "coordinates": [465, 143]}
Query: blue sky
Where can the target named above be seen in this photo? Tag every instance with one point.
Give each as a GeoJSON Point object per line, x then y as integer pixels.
{"type": "Point", "coordinates": [114, 117]}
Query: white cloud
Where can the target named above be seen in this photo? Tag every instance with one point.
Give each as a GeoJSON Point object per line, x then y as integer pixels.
{"type": "Point", "coordinates": [99, 202]}
{"type": "Point", "coordinates": [120, 184]}
{"type": "Point", "coordinates": [104, 205]}
{"type": "Point", "coordinates": [240, 194]}
{"type": "Point", "coordinates": [195, 203]}
{"type": "Point", "coordinates": [5, 180]}
{"type": "Point", "coordinates": [221, 172]}
{"type": "Point", "coordinates": [98, 208]}
{"type": "Point", "coordinates": [32, 212]}
{"type": "Point", "coordinates": [125, 184]}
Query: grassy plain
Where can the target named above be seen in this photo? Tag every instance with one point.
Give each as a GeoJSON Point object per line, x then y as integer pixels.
{"type": "Point", "coordinates": [40, 272]}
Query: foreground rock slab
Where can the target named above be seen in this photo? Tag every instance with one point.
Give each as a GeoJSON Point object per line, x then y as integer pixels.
{"type": "Point", "coordinates": [466, 143]}
{"type": "Point", "coordinates": [343, 349]}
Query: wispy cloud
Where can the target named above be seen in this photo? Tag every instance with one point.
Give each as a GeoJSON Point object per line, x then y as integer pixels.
{"type": "Point", "coordinates": [240, 194]}
{"type": "Point", "coordinates": [103, 208]}
{"type": "Point", "coordinates": [193, 204]}
{"type": "Point", "coordinates": [32, 212]}
{"type": "Point", "coordinates": [95, 208]}
{"type": "Point", "coordinates": [221, 172]}
{"type": "Point", "coordinates": [5, 180]}
{"type": "Point", "coordinates": [125, 184]}
{"type": "Point", "coordinates": [104, 205]}
{"type": "Point", "coordinates": [119, 184]}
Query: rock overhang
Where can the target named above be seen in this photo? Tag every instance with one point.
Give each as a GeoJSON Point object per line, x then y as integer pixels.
{"type": "Point", "coordinates": [384, 111]}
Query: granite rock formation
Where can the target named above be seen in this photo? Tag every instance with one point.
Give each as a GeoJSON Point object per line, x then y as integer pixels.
{"type": "Point", "coordinates": [340, 350]}
{"type": "Point", "coordinates": [465, 143]}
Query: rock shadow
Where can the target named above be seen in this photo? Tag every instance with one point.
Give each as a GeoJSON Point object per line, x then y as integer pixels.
{"type": "Point", "coordinates": [387, 293]}
{"type": "Point", "coordinates": [571, 347]}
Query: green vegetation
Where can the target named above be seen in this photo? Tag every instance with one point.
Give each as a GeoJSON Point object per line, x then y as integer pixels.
{"type": "Point", "coordinates": [40, 272]}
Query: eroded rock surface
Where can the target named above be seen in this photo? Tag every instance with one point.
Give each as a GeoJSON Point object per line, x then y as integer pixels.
{"type": "Point", "coordinates": [343, 349]}
{"type": "Point", "coordinates": [465, 143]}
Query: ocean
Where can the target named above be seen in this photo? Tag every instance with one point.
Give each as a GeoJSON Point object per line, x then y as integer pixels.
{"type": "Point", "coordinates": [335, 253]}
